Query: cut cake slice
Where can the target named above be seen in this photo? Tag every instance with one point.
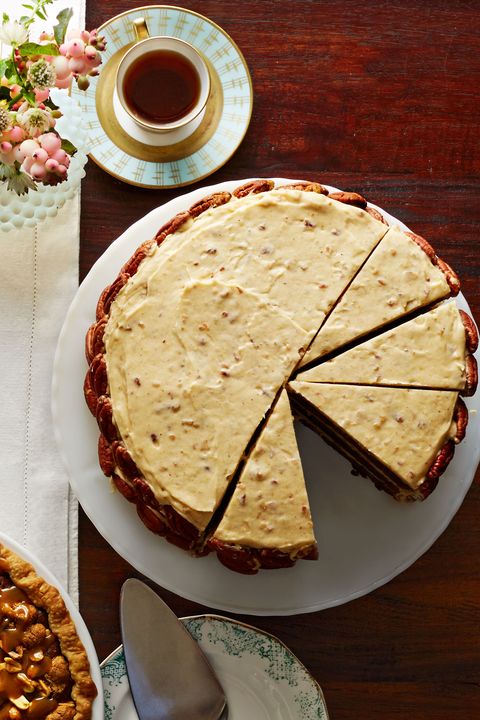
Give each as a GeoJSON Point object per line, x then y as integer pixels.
{"type": "Point", "coordinates": [402, 275]}
{"type": "Point", "coordinates": [402, 438]}
{"type": "Point", "coordinates": [433, 350]}
{"type": "Point", "coordinates": [268, 522]}
{"type": "Point", "coordinates": [187, 419]}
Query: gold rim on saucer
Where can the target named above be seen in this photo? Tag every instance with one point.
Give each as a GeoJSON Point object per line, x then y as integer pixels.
{"type": "Point", "coordinates": [180, 152]}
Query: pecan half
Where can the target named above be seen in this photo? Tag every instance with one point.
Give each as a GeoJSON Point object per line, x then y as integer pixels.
{"type": "Point", "coordinates": [105, 419]}
{"type": "Point", "coordinates": [460, 417]}
{"type": "Point", "coordinates": [471, 376]}
{"type": "Point", "coordinates": [211, 201]}
{"type": "Point", "coordinates": [131, 266]}
{"type": "Point", "coordinates": [124, 461]}
{"type": "Point", "coordinates": [172, 226]}
{"type": "Point", "coordinates": [124, 488]}
{"type": "Point", "coordinates": [470, 331]}
{"type": "Point", "coordinates": [98, 373]}
{"type": "Point", "coordinates": [105, 456]}
{"type": "Point", "coordinates": [238, 559]}
{"type": "Point", "coordinates": [152, 521]}
{"type": "Point", "coordinates": [422, 243]}
{"type": "Point", "coordinates": [179, 524]}
{"type": "Point", "coordinates": [349, 198]}
{"type": "Point", "coordinates": [253, 187]}
{"type": "Point", "coordinates": [94, 339]}
{"type": "Point", "coordinates": [272, 559]}
{"type": "Point", "coordinates": [109, 294]}
{"type": "Point", "coordinates": [376, 215]}
{"type": "Point", "coordinates": [440, 463]}
{"type": "Point", "coordinates": [145, 493]}
{"type": "Point", "coordinates": [426, 488]}
{"type": "Point", "coordinates": [91, 397]}
{"type": "Point", "coordinates": [306, 187]}
{"type": "Point", "coordinates": [450, 276]}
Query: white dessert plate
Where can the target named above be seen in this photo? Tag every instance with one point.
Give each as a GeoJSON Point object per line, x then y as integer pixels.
{"type": "Point", "coordinates": [261, 677]}
{"type": "Point", "coordinates": [365, 538]}
{"type": "Point", "coordinates": [83, 634]}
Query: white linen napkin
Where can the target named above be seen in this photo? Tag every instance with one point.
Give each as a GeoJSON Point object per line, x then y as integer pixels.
{"type": "Point", "coordinates": [38, 279]}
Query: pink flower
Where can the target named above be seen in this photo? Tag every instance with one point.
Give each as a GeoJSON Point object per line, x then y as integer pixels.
{"type": "Point", "coordinates": [34, 120]}
{"type": "Point", "coordinates": [15, 90]}
{"type": "Point", "coordinates": [41, 94]}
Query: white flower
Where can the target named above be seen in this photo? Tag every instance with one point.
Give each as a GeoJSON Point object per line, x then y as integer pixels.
{"type": "Point", "coordinates": [13, 33]}
{"type": "Point", "coordinates": [42, 75]}
{"type": "Point", "coordinates": [5, 120]}
{"type": "Point", "coordinates": [34, 121]}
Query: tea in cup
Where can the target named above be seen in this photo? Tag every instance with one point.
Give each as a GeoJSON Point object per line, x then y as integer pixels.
{"type": "Point", "coordinates": [161, 88]}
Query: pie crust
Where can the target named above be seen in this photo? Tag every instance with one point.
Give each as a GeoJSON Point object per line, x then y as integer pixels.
{"type": "Point", "coordinates": [41, 676]}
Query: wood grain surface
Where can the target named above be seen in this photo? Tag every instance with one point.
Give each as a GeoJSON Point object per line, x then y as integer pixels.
{"type": "Point", "coordinates": [382, 98]}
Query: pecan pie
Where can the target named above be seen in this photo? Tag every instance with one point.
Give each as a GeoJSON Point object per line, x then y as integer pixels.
{"type": "Point", "coordinates": [44, 670]}
{"type": "Point", "coordinates": [206, 323]}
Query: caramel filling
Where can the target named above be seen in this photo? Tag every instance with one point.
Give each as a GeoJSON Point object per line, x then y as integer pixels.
{"type": "Point", "coordinates": [34, 675]}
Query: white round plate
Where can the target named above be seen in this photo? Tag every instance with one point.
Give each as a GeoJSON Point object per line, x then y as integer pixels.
{"type": "Point", "coordinates": [83, 634]}
{"type": "Point", "coordinates": [365, 538]}
{"type": "Point", "coordinates": [260, 676]}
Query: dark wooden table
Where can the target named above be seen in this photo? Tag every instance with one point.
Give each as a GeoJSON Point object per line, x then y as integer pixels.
{"type": "Point", "coordinates": [380, 97]}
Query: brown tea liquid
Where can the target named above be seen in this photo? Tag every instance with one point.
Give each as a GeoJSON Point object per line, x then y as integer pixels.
{"type": "Point", "coordinates": [162, 86]}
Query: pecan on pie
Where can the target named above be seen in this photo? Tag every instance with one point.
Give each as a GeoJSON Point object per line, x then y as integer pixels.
{"type": "Point", "coordinates": [44, 669]}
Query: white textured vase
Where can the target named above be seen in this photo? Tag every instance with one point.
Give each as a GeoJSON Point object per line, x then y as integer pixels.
{"type": "Point", "coordinates": [35, 205]}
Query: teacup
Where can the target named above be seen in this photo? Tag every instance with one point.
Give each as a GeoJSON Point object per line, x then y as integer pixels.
{"type": "Point", "coordinates": [161, 88]}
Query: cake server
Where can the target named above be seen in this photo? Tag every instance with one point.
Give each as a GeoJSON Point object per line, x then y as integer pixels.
{"type": "Point", "coordinates": [169, 676]}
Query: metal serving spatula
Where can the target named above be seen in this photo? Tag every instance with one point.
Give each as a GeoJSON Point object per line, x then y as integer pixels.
{"type": "Point", "coordinates": [170, 677]}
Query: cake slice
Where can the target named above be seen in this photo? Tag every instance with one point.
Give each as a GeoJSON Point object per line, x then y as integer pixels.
{"type": "Point", "coordinates": [433, 350]}
{"type": "Point", "coordinates": [186, 401]}
{"type": "Point", "coordinates": [402, 438]}
{"type": "Point", "coordinates": [402, 275]}
{"type": "Point", "coordinates": [267, 523]}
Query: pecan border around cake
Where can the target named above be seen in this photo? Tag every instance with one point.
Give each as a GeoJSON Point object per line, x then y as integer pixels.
{"type": "Point", "coordinates": [45, 596]}
{"type": "Point", "coordinates": [114, 458]}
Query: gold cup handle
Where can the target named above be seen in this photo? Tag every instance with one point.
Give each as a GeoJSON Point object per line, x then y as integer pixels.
{"type": "Point", "coordinates": [141, 29]}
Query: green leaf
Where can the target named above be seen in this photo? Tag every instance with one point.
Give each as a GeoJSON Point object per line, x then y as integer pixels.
{"type": "Point", "coordinates": [60, 30]}
{"type": "Point", "coordinates": [5, 18]}
{"type": "Point", "coordinates": [29, 49]}
{"type": "Point", "coordinates": [21, 183]}
{"type": "Point", "coordinates": [4, 67]}
{"type": "Point", "coordinates": [17, 181]}
{"type": "Point", "coordinates": [68, 147]}
{"type": "Point", "coordinates": [28, 7]}
{"type": "Point", "coordinates": [5, 171]}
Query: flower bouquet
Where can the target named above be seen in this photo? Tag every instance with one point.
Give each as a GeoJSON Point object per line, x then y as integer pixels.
{"type": "Point", "coordinates": [36, 148]}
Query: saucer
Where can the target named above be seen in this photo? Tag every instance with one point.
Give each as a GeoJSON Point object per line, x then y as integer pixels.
{"type": "Point", "coordinates": [221, 130]}
{"type": "Point", "coordinates": [260, 676]}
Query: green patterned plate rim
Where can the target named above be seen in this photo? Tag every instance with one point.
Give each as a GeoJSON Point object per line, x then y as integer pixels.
{"type": "Point", "coordinates": [261, 677]}
{"type": "Point", "coordinates": [232, 73]}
